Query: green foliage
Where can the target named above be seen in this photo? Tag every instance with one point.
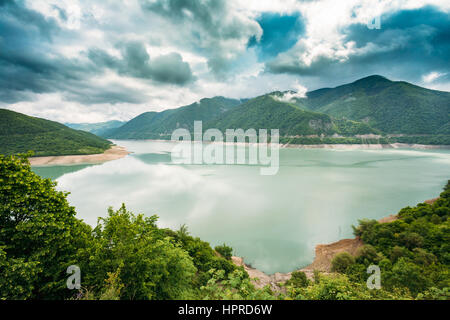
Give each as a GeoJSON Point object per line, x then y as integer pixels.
{"type": "Point", "coordinates": [392, 107]}
{"type": "Point", "coordinates": [435, 294]}
{"type": "Point", "coordinates": [267, 112]}
{"type": "Point", "coordinates": [413, 252]}
{"type": "Point", "coordinates": [225, 251]}
{"type": "Point", "coordinates": [125, 257]}
{"type": "Point", "coordinates": [20, 133]}
{"type": "Point", "coordinates": [160, 125]}
{"type": "Point", "coordinates": [235, 286]}
{"type": "Point", "coordinates": [298, 280]}
{"type": "Point", "coordinates": [263, 112]}
{"type": "Point", "coordinates": [439, 139]}
{"type": "Point", "coordinates": [350, 128]}
{"type": "Point", "coordinates": [367, 255]}
{"type": "Point", "coordinates": [204, 257]}
{"type": "Point", "coordinates": [373, 105]}
{"type": "Point", "coordinates": [339, 287]}
{"type": "Point", "coordinates": [98, 129]}
{"type": "Point", "coordinates": [39, 234]}
{"type": "Point", "coordinates": [426, 140]}
{"type": "Point", "coordinates": [341, 262]}
{"type": "Point", "coordinates": [128, 257]}
{"type": "Point", "coordinates": [113, 286]}
{"type": "Point", "coordinates": [151, 265]}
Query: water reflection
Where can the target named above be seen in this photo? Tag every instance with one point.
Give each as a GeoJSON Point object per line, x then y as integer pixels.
{"type": "Point", "coordinates": [55, 172]}
{"type": "Point", "coordinates": [273, 221]}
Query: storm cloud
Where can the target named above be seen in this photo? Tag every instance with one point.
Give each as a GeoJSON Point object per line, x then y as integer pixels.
{"type": "Point", "coordinates": [30, 64]}
{"type": "Point", "coordinates": [214, 28]}
{"type": "Point", "coordinates": [136, 62]}
{"type": "Point", "coordinates": [92, 60]}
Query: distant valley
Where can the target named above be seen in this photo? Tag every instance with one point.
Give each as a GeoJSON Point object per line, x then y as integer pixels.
{"type": "Point", "coordinates": [372, 110]}
{"type": "Point", "coordinates": [98, 129]}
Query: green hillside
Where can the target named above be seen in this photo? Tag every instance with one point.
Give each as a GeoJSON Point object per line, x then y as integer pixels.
{"type": "Point", "coordinates": [20, 133]}
{"type": "Point", "coordinates": [266, 112]}
{"type": "Point", "coordinates": [372, 105]}
{"type": "Point", "coordinates": [391, 106]}
{"type": "Point", "coordinates": [151, 125]}
{"type": "Point", "coordinates": [96, 128]}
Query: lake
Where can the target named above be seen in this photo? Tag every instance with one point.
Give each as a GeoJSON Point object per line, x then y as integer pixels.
{"type": "Point", "coordinates": [274, 222]}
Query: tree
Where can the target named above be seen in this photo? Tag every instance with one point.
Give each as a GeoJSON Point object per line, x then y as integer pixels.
{"type": "Point", "coordinates": [225, 251]}
{"type": "Point", "coordinates": [147, 263]}
{"type": "Point", "coordinates": [409, 275]}
{"type": "Point", "coordinates": [183, 231]}
{"type": "Point", "coordinates": [341, 262]}
{"type": "Point", "coordinates": [298, 279]}
{"type": "Point", "coordinates": [235, 286]}
{"type": "Point", "coordinates": [411, 240]}
{"type": "Point", "coordinates": [367, 254]}
{"type": "Point", "coordinates": [39, 234]}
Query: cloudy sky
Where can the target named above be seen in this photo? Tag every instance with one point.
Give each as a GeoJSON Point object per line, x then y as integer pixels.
{"type": "Point", "coordinates": [98, 60]}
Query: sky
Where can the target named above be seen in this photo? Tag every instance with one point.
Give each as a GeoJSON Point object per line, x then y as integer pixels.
{"type": "Point", "coordinates": [99, 60]}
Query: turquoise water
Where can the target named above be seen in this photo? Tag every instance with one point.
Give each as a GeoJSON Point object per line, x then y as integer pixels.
{"type": "Point", "coordinates": [273, 221]}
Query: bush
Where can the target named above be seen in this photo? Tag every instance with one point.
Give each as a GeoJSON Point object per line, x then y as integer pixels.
{"type": "Point", "coordinates": [39, 234]}
{"type": "Point", "coordinates": [224, 251]}
{"type": "Point", "coordinates": [150, 265]}
{"type": "Point", "coordinates": [298, 279]}
{"type": "Point", "coordinates": [367, 254]}
{"type": "Point", "coordinates": [341, 262]}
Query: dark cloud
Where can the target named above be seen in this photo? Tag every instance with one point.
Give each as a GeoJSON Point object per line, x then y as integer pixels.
{"type": "Point", "coordinates": [409, 44]}
{"type": "Point", "coordinates": [200, 12]}
{"type": "Point", "coordinates": [214, 29]}
{"type": "Point", "coordinates": [30, 64]}
{"type": "Point", "coordinates": [25, 38]}
{"type": "Point", "coordinates": [136, 62]}
{"type": "Point", "coordinates": [171, 68]}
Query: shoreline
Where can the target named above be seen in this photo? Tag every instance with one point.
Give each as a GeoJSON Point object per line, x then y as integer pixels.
{"type": "Point", "coordinates": [368, 146]}
{"type": "Point", "coordinates": [324, 254]}
{"type": "Point", "coordinates": [113, 153]}
{"type": "Point", "coordinates": [325, 146]}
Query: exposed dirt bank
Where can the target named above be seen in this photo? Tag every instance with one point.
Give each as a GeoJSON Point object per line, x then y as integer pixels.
{"type": "Point", "coordinates": [114, 153]}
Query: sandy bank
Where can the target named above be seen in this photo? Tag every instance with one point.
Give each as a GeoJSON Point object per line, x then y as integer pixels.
{"type": "Point", "coordinates": [113, 153]}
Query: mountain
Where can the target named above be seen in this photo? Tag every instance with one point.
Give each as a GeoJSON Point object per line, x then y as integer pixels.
{"type": "Point", "coordinates": [20, 133]}
{"type": "Point", "coordinates": [264, 112]}
{"type": "Point", "coordinates": [370, 105]}
{"type": "Point", "coordinates": [96, 128]}
{"type": "Point", "coordinates": [153, 124]}
{"type": "Point", "coordinates": [390, 106]}
{"type": "Point", "coordinates": [268, 112]}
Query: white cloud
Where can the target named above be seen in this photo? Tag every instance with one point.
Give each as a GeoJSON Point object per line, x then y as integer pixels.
{"type": "Point", "coordinates": [432, 76]}
{"type": "Point", "coordinates": [298, 91]}
{"type": "Point", "coordinates": [106, 23]}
